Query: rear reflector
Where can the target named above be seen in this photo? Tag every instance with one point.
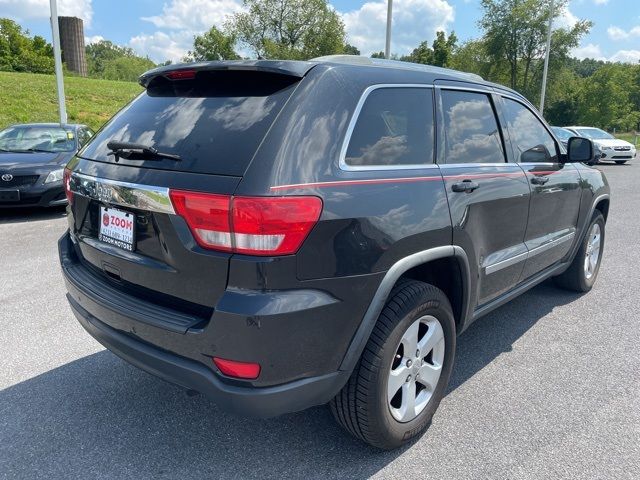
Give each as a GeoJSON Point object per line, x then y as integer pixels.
{"type": "Point", "coordinates": [235, 369]}
{"type": "Point", "coordinates": [266, 226]}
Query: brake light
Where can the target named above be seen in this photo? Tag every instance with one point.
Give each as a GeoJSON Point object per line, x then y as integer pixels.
{"type": "Point", "coordinates": [237, 369]}
{"type": "Point", "coordinates": [251, 225]}
{"type": "Point", "coordinates": [66, 180]}
{"type": "Point", "coordinates": [181, 74]}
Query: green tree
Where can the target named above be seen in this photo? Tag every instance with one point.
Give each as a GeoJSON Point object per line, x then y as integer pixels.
{"type": "Point", "coordinates": [443, 49]}
{"type": "Point", "coordinates": [289, 29]}
{"type": "Point", "coordinates": [606, 98]}
{"type": "Point", "coordinates": [21, 53]}
{"type": "Point", "coordinates": [107, 60]}
{"type": "Point", "coordinates": [213, 45]}
{"type": "Point", "coordinates": [472, 57]}
{"type": "Point", "coordinates": [421, 54]}
{"type": "Point", "coordinates": [350, 50]}
{"type": "Point", "coordinates": [126, 68]}
{"type": "Point", "coordinates": [515, 37]}
{"type": "Point", "coordinates": [378, 55]}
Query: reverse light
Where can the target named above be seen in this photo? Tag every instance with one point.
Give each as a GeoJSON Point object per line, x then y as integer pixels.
{"type": "Point", "coordinates": [266, 226]}
{"type": "Point", "coordinates": [235, 369]}
{"type": "Point", "coordinates": [66, 180]}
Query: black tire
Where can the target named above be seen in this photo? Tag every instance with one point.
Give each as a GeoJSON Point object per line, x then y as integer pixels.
{"type": "Point", "coordinates": [362, 406]}
{"type": "Point", "coordinates": [575, 278]}
{"type": "Point", "coordinates": [621, 162]}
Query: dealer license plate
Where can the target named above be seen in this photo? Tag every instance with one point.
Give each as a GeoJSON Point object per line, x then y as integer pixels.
{"type": "Point", "coordinates": [117, 227]}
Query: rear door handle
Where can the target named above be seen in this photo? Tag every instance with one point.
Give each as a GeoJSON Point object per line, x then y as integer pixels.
{"type": "Point", "coordinates": [464, 186]}
{"type": "Point", "coordinates": [539, 180]}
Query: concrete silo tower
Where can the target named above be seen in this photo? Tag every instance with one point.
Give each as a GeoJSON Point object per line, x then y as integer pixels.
{"type": "Point", "coordinates": [72, 43]}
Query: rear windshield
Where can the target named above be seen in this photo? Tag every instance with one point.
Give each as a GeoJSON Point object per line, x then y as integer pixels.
{"type": "Point", "coordinates": [214, 122]}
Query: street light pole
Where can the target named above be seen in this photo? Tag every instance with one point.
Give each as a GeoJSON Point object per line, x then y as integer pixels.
{"type": "Point", "coordinates": [387, 48]}
{"type": "Point", "coordinates": [55, 30]}
{"type": "Point", "coordinates": [546, 59]}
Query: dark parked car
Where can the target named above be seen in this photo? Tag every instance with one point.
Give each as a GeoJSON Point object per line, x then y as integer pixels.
{"type": "Point", "coordinates": [280, 234]}
{"type": "Point", "coordinates": [32, 159]}
{"type": "Point", "coordinates": [564, 135]}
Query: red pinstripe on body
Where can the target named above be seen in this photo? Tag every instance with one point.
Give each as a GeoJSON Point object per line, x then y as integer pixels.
{"type": "Point", "coordinates": [378, 181]}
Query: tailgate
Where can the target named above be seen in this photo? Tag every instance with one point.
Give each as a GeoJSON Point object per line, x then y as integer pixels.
{"type": "Point", "coordinates": [164, 266]}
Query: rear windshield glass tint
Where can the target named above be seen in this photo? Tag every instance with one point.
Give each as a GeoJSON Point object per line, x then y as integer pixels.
{"type": "Point", "coordinates": [214, 123]}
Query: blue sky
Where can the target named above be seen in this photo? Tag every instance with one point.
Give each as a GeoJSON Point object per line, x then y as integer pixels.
{"type": "Point", "coordinates": [164, 30]}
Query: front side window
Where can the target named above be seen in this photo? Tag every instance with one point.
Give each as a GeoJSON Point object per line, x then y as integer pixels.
{"type": "Point", "coordinates": [532, 142]}
{"type": "Point", "coordinates": [471, 130]}
{"type": "Point", "coordinates": [394, 128]}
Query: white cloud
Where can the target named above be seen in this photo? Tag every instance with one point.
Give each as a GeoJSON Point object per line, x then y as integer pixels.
{"type": "Point", "coordinates": [566, 19]}
{"type": "Point", "coordinates": [178, 23]}
{"type": "Point", "coordinates": [413, 22]}
{"type": "Point", "coordinates": [194, 15]}
{"type": "Point", "coordinates": [161, 46]}
{"type": "Point", "coordinates": [627, 56]}
{"type": "Point", "coordinates": [588, 51]}
{"type": "Point", "coordinates": [600, 2]}
{"type": "Point", "coordinates": [594, 51]}
{"type": "Point", "coordinates": [93, 39]}
{"type": "Point", "coordinates": [22, 10]}
{"type": "Point", "coordinates": [617, 33]}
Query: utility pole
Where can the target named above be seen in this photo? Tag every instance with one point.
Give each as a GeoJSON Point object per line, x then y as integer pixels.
{"type": "Point", "coordinates": [387, 48]}
{"type": "Point", "coordinates": [55, 30]}
{"type": "Point", "coordinates": [546, 59]}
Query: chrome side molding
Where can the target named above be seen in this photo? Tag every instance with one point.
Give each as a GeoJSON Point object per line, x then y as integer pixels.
{"type": "Point", "coordinates": [124, 194]}
{"type": "Point", "coordinates": [520, 257]}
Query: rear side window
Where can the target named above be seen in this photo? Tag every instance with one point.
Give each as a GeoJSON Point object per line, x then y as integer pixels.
{"type": "Point", "coordinates": [531, 141]}
{"type": "Point", "coordinates": [471, 130]}
{"type": "Point", "coordinates": [214, 122]}
{"type": "Point", "coordinates": [394, 128]}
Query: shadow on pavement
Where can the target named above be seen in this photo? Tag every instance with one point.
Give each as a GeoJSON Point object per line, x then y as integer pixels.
{"type": "Point", "coordinates": [31, 214]}
{"type": "Point", "coordinates": [98, 417]}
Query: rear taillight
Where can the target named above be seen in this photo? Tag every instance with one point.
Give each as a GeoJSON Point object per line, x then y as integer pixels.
{"type": "Point", "coordinates": [66, 179]}
{"type": "Point", "coordinates": [251, 225]}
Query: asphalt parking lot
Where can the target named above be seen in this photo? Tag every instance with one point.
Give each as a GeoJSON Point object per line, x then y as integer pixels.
{"type": "Point", "coordinates": [547, 386]}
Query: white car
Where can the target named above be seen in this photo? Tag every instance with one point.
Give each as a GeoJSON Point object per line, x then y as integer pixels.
{"type": "Point", "coordinates": [619, 151]}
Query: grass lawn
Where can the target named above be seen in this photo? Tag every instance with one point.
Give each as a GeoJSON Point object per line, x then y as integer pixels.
{"type": "Point", "coordinates": [29, 97]}
{"type": "Point", "coordinates": [629, 137]}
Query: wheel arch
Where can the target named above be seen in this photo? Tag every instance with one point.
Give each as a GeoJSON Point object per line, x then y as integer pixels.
{"type": "Point", "coordinates": [422, 266]}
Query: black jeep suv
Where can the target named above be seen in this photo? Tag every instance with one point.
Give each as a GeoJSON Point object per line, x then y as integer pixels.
{"type": "Point", "coordinates": [279, 234]}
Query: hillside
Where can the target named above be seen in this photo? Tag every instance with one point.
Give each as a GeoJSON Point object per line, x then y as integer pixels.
{"type": "Point", "coordinates": [29, 97]}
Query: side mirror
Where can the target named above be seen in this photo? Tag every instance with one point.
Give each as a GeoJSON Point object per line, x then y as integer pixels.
{"type": "Point", "coordinates": [580, 150]}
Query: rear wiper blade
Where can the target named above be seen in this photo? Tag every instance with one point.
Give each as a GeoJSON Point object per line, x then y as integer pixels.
{"type": "Point", "coordinates": [129, 150]}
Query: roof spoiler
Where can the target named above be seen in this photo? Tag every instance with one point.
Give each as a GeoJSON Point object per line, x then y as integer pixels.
{"type": "Point", "coordinates": [188, 70]}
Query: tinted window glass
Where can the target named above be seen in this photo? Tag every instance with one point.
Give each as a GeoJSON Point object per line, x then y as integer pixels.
{"type": "Point", "coordinates": [471, 129]}
{"type": "Point", "coordinates": [395, 127]}
{"type": "Point", "coordinates": [214, 122]}
{"type": "Point", "coordinates": [531, 141]}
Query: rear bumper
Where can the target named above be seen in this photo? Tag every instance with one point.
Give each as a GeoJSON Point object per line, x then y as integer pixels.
{"type": "Point", "coordinates": [256, 402]}
{"type": "Point", "coordinates": [178, 353]}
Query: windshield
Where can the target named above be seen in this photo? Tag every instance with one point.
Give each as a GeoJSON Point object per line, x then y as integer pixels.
{"type": "Point", "coordinates": [561, 133]}
{"type": "Point", "coordinates": [38, 138]}
{"type": "Point", "coordinates": [594, 133]}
